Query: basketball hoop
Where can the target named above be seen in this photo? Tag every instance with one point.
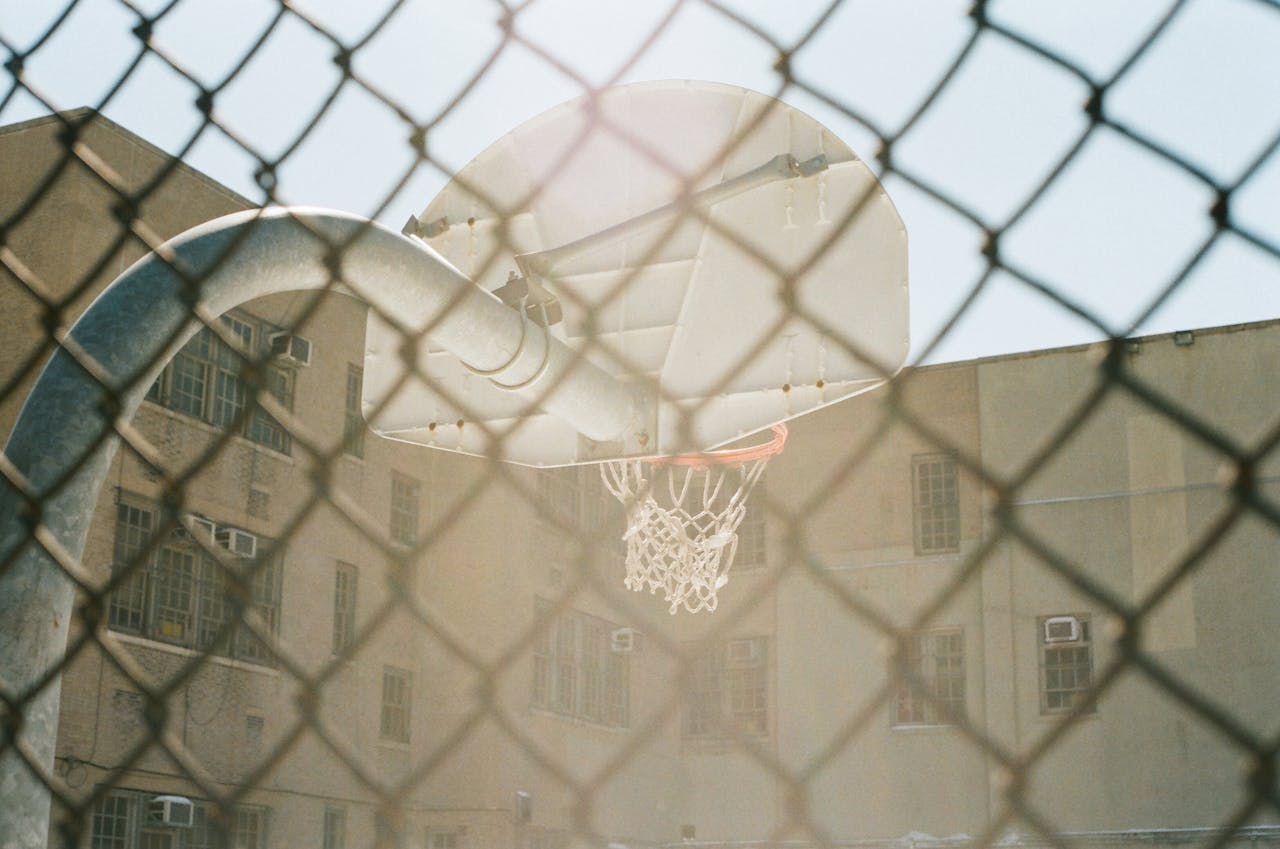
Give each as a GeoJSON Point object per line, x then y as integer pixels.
{"type": "Point", "coordinates": [686, 548]}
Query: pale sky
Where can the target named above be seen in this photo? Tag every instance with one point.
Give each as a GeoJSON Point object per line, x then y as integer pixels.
{"type": "Point", "coordinates": [1108, 235]}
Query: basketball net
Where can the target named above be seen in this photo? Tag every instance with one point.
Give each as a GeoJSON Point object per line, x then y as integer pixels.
{"type": "Point", "coordinates": [683, 514]}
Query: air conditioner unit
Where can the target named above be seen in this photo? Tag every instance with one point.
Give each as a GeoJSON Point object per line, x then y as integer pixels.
{"type": "Point", "coordinates": [196, 530]}
{"type": "Point", "coordinates": [204, 528]}
{"type": "Point", "coordinates": [295, 350]}
{"type": "Point", "coordinates": [625, 640]}
{"type": "Point", "coordinates": [744, 652]}
{"type": "Point", "coordinates": [173, 811]}
{"type": "Point", "coordinates": [238, 542]}
{"type": "Point", "coordinates": [1061, 629]}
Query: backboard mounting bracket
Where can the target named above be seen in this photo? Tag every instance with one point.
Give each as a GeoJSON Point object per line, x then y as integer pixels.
{"type": "Point", "coordinates": [541, 265]}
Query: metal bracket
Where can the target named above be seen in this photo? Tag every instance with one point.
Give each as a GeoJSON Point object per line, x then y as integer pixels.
{"type": "Point", "coordinates": [521, 293]}
{"type": "Point", "coordinates": [784, 166]}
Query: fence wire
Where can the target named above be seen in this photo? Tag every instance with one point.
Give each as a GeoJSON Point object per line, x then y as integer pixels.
{"type": "Point", "coordinates": [306, 635]}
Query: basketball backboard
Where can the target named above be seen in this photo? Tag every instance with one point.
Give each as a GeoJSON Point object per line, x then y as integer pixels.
{"type": "Point", "coordinates": [716, 250]}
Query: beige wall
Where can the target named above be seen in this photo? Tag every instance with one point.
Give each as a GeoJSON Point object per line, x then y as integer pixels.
{"type": "Point", "coordinates": [1124, 501]}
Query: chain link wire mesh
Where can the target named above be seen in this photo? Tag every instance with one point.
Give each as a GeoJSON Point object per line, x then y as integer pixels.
{"type": "Point", "coordinates": [325, 639]}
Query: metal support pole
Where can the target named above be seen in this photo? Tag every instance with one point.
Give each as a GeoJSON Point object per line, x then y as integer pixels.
{"type": "Point", "coordinates": [58, 454]}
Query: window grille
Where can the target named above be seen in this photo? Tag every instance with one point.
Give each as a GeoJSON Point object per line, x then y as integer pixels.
{"type": "Point", "coordinates": [935, 480]}
{"type": "Point", "coordinates": [1066, 669]}
{"type": "Point", "coordinates": [397, 695]}
{"type": "Point", "coordinates": [353, 427]}
{"type": "Point", "coordinates": [932, 688]}
{"type": "Point", "coordinates": [211, 381]}
{"type": "Point", "coordinates": [173, 589]}
{"type": "Point", "coordinates": [335, 828]}
{"type": "Point", "coordinates": [120, 821]}
{"type": "Point", "coordinates": [753, 532]}
{"type": "Point", "coordinates": [344, 606]}
{"type": "Point", "coordinates": [406, 493]}
{"type": "Point", "coordinates": [442, 839]}
{"type": "Point", "coordinates": [577, 674]}
{"type": "Point", "coordinates": [730, 690]}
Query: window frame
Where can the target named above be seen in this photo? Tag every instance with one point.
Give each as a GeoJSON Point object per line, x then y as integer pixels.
{"type": "Point", "coordinates": [406, 508]}
{"type": "Point", "coordinates": [205, 381]}
{"type": "Point", "coordinates": [443, 838]}
{"type": "Point", "coordinates": [935, 505]}
{"type": "Point", "coordinates": [333, 833]}
{"type": "Point", "coordinates": [942, 675]}
{"type": "Point", "coordinates": [346, 597]}
{"type": "Point", "coordinates": [731, 690]}
{"type": "Point", "coordinates": [576, 673]}
{"type": "Point", "coordinates": [245, 815]}
{"type": "Point", "coordinates": [396, 715]}
{"type": "Point", "coordinates": [753, 531]}
{"type": "Point", "coordinates": [131, 814]}
{"type": "Point", "coordinates": [1082, 647]}
{"type": "Point", "coordinates": [167, 590]}
{"type": "Point", "coordinates": [353, 427]}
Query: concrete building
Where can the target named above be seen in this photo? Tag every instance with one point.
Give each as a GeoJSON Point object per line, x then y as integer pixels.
{"type": "Point", "coordinates": [931, 629]}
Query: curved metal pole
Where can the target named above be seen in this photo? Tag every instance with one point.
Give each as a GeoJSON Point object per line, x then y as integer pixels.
{"type": "Point", "coordinates": [63, 441]}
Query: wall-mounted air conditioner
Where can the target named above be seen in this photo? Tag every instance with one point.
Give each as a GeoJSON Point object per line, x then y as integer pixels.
{"type": "Point", "coordinates": [203, 528]}
{"type": "Point", "coordinates": [173, 811]}
{"type": "Point", "coordinates": [744, 652]}
{"type": "Point", "coordinates": [196, 530]}
{"type": "Point", "coordinates": [291, 349]}
{"type": "Point", "coordinates": [238, 542]}
{"type": "Point", "coordinates": [625, 640]}
{"type": "Point", "coordinates": [1061, 629]}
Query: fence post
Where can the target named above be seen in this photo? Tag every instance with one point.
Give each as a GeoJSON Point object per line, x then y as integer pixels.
{"type": "Point", "coordinates": [59, 451]}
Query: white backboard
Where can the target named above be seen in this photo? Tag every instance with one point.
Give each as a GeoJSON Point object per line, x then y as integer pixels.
{"type": "Point", "coordinates": [741, 302]}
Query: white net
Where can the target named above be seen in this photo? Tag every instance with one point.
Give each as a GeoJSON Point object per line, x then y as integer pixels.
{"type": "Point", "coordinates": [684, 549]}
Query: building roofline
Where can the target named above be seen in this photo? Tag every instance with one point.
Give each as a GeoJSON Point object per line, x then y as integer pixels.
{"type": "Point", "coordinates": [1212, 330]}
{"type": "Point", "coordinates": [85, 115]}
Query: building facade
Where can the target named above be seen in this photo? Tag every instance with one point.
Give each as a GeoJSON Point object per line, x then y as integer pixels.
{"type": "Point", "coordinates": [952, 615]}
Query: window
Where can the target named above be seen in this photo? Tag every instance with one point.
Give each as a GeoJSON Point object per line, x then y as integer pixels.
{"type": "Point", "coordinates": [1066, 662]}
{"type": "Point", "coordinates": [353, 418]}
{"type": "Point", "coordinates": [575, 499]}
{"type": "Point", "coordinates": [174, 591]}
{"type": "Point", "coordinates": [442, 839]}
{"type": "Point", "coordinates": [560, 493]}
{"type": "Point", "coordinates": [335, 828]}
{"type": "Point", "coordinates": [577, 495]}
{"type": "Point", "coordinates": [396, 695]}
{"type": "Point", "coordinates": [210, 381]}
{"type": "Point", "coordinates": [752, 539]}
{"type": "Point", "coordinates": [936, 486]}
{"type": "Point", "coordinates": [251, 828]}
{"type": "Point", "coordinates": [575, 671]}
{"type": "Point", "coordinates": [120, 820]}
{"type": "Point", "coordinates": [405, 495]}
{"type": "Point", "coordinates": [933, 692]}
{"type": "Point", "coordinates": [111, 823]}
{"type": "Point", "coordinates": [344, 607]}
{"type": "Point", "coordinates": [548, 838]}
{"type": "Point", "coordinates": [253, 728]}
{"type": "Point", "coordinates": [730, 690]}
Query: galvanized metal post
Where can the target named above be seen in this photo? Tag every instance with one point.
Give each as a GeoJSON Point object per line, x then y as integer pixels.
{"type": "Point", "coordinates": [59, 451]}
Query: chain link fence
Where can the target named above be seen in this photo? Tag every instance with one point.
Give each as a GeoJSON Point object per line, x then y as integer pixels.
{"type": "Point", "coordinates": [1014, 600]}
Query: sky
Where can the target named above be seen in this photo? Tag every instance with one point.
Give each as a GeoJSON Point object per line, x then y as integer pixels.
{"type": "Point", "coordinates": [1109, 233]}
